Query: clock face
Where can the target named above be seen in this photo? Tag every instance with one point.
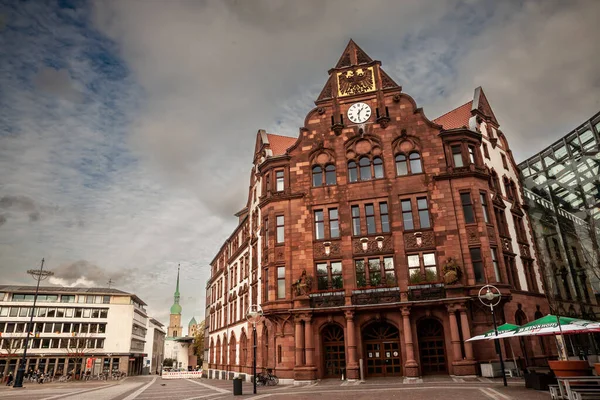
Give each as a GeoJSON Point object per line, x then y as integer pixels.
{"type": "Point", "coordinates": [359, 113]}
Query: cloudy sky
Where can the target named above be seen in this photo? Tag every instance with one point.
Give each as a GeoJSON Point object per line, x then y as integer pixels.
{"type": "Point", "coordinates": [127, 127]}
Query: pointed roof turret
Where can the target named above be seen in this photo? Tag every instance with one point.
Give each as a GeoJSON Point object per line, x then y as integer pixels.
{"type": "Point", "coordinates": [353, 55]}
{"type": "Point", "coordinates": [176, 308]}
{"type": "Point", "coordinates": [192, 321]}
{"type": "Point", "coordinates": [355, 73]}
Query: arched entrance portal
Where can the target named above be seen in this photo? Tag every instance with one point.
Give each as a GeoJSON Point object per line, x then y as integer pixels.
{"type": "Point", "coordinates": [334, 351]}
{"type": "Point", "coordinates": [432, 350]}
{"type": "Point", "coordinates": [382, 349]}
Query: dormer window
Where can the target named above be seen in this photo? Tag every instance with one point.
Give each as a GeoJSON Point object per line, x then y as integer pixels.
{"type": "Point", "coordinates": [471, 153]}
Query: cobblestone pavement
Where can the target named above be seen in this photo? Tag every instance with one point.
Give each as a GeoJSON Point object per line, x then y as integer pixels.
{"type": "Point", "coordinates": [155, 388]}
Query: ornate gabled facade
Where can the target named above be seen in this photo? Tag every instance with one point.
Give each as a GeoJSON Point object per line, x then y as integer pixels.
{"type": "Point", "coordinates": [368, 236]}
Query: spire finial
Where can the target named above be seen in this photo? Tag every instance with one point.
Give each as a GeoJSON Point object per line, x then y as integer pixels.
{"type": "Point", "coordinates": [177, 288]}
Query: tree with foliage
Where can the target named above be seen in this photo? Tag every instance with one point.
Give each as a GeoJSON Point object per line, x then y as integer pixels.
{"type": "Point", "coordinates": [199, 343]}
{"type": "Point", "coordinates": [168, 362]}
{"type": "Point", "coordinates": [77, 347]}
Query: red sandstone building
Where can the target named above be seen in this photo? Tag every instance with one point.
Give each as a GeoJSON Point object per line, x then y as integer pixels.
{"type": "Point", "coordinates": [366, 239]}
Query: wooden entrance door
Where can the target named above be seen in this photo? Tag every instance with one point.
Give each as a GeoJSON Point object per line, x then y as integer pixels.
{"type": "Point", "coordinates": [334, 351]}
{"type": "Point", "coordinates": [382, 349]}
{"type": "Point", "coordinates": [431, 347]}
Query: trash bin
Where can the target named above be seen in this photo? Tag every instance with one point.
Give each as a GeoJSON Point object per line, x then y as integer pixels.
{"type": "Point", "coordinates": [237, 387]}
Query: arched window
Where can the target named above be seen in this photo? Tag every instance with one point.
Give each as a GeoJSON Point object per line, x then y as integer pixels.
{"type": "Point", "coordinates": [378, 167]}
{"type": "Point", "coordinates": [415, 163]}
{"type": "Point", "coordinates": [330, 178]}
{"type": "Point", "coordinates": [317, 176]}
{"type": "Point", "coordinates": [352, 172]}
{"type": "Point", "coordinates": [365, 168]}
{"type": "Point", "coordinates": [401, 165]}
{"type": "Point", "coordinates": [243, 349]}
{"type": "Point", "coordinates": [232, 350]}
{"type": "Point", "coordinates": [211, 354]}
{"type": "Point", "coordinates": [218, 351]}
{"type": "Point", "coordinates": [224, 351]}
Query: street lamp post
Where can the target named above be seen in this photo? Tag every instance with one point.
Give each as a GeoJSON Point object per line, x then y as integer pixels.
{"type": "Point", "coordinates": [254, 315]}
{"type": "Point", "coordinates": [40, 275]}
{"type": "Point", "coordinates": [490, 296]}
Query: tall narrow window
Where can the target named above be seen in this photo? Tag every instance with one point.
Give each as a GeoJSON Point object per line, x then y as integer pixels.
{"type": "Point", "coordinates": [429, 264]}
{"type": "Point", "coordinates": [370, 214]}
{"type": "Point", "coordinates": [486, 153]}
{"type": "Point", "coordinates": [471, 153]}
{"type": "Point", "coordinates": [504, 163]}
{"type": "Point", "coordinates": [477, 262]}
{"type": "Point", "coordinates": [337, 281]}
{"type": "Point", "coordinates": [389, 271]}
{"type": "Point", "coordinates": [266, 287]}
{"type": "Point", "coordinates": [415, 163]}
{"type": "Point", "coordinates": [424, 219]}
{"type": "Point", "coordinates": [484, 207]}
{"type": "Point", "coordinates": [355, 220]}
{"type": "Point", "coordinates": [375, 271]}
{"type": "Point", "coordinates": [330, 178]}
{"type": "Point", "coordinates": [414, 269]}
{"type": "Point", "coordinates": [401, 166]}
{"type": "Point", "coordinates": [365, 169]}
{"type": "Point", "coordinates": [281, 282]}
{"type": "Point", "coordinates": [352, 172]}
{"type": "Point", "coordinates": [280, 229]}
{"type": "Point", "coordinates": [385, 221]}
{"type": "Point", "coordinates": [266, 230]}
{"type": "Point", "coordinates": [334, 223]}
{"type": "Point", "coordinates": [317, 176]}
{"type": "Point", "coordinates": [319, 225]}
{"type": "Point", "coordinates": [279, 181]}
{"type": "Point", "coordinates": [496, 265]}
{"type": "Point", "coordinates": [361, 276]}
{"type": "Point", "coordinates": [378, 167]}
{"type": "Point", "coordinates": [407, 216]}
{"type": "Point", "coordinates": [457, 156]}
{"type": "Point", "coordinates": [322, 276]}
{"type": "Point", "coordinates": [467, 205]}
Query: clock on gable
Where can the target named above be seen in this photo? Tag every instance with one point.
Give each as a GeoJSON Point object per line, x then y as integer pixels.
{"type": "Point", "coordinates": [359, 113]}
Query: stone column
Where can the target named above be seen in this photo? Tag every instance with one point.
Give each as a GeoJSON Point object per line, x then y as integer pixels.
{"type": "Point", "coordinates": [309, 345]}
{"type": "Point", "coordinates": [466, 332]}
{"type": "Point", "coordinates": [467, 365]}
{"type": "Point", "coordinates": [299, 336]}
{"type": "Point", "coordinates": [352, 369]}
{"type": "Point", "coordinates": [454, 335]}
{"type": "Point", "coordinates": [411, 368]}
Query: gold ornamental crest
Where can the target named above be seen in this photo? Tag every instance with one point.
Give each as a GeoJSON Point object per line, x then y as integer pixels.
{"type": "Point", "coordinates": [357, 81]}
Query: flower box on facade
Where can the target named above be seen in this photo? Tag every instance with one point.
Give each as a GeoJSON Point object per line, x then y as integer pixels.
{"type": "Point", "coordinates": [327, 299]}
{"type": "Point", "coordinates": [376, 296]}
{"type": "Point", "coordinates": [426, 291]}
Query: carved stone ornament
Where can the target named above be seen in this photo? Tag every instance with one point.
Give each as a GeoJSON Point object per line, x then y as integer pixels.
{"type": "Point", "coordinates": [524, 249]}
{"type": "Point", "coordinates": [419, 240]}
{"type": "Point", "coordinates": [279, 255]}
{"type": "Point", "coordinates": [472, 235]}
{"type": "Point", "coordinates": [321, 110]}
{"type": "Point", "coordinates": [381, 244]}
{"type": "Point", "coordinates": [396, 98]}
{"type": "Point", "coordinates": [491, 233]}
{"type": "Point", "coordinates": [319, 249]}
{"type": "Point", "coordinates": [383, 122]}
{"type": "Point", "coordinates": [337, 128]}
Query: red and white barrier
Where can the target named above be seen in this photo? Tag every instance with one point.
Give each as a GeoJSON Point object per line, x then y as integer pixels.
{"type": "Point", "coordinates": [182, 375]}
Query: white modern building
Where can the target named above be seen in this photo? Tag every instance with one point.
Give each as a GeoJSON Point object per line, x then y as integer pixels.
{"type": "Point", "coordinates": [96, 329]}
{"type": "Point", "coordinates": [154, 347]}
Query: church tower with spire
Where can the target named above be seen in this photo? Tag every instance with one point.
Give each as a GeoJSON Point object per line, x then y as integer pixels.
{"type": "Point", "coordinates": [175, 328]}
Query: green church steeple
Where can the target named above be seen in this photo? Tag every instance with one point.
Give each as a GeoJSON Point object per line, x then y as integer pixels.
{"type": "Point", "coordinates": [176, 308]}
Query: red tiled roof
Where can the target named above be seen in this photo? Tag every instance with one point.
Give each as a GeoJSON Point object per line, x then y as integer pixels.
{"type": "Point", "coordinates": [456, 118]}
{"type": "Point", "coordinates": [279, 144]}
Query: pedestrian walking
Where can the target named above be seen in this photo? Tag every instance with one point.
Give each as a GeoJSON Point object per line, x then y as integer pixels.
{"type": "Point", "coordinates": [10, 379]}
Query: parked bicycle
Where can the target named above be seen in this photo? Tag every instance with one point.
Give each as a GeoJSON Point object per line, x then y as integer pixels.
{"type": "Point", "coordinates": [266, 378]}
